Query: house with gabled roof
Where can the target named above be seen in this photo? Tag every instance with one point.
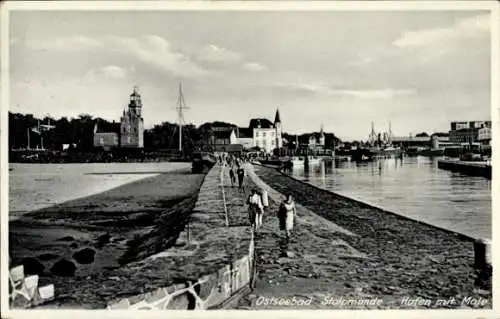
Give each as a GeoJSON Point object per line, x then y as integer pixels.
{"type": "Point", "coordinates": [261, 133]}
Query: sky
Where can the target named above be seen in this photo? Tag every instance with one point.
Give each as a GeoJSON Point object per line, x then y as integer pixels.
{"type": "Point", "coordinates": [419, 70]}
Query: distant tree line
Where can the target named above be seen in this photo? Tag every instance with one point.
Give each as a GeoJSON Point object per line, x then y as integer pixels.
{"type": "Point", "coordinates": [79, 131]}
{"type": "Point", "coordinates": [24, 128]}
{"type": "Point", "coordinates": [438, 134]}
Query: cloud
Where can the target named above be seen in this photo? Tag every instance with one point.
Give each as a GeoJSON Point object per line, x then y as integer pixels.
{"type": "Point", "coordinates": [74, 43]}
{"type": "Point", "coordinates": [110, 72]}
{"type": "Point", "coordinates": [151, 50]}
{"type": "Point", "coordinates": [213, 53]}
{"type": "Point", "coordinates": [356, 93]}
{"type": "Point", "coordinates": [431, 47]}
{"type": "Point", "coordinates": [468, 27]}
{"type": "Point", "coordinates": [254, 67]}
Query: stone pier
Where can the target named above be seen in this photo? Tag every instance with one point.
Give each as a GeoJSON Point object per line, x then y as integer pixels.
{"type": "Point", "coordinates": [211, 262]}
{"type": "Point", "coordinates": [305, 266]}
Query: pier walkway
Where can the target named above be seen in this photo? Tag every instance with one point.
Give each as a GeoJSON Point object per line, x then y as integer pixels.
{"type": "Point", "coordinates": [306, 268]}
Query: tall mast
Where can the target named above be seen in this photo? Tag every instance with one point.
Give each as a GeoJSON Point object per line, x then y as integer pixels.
{"type": "Point", "coordinates": [41, 135]}
{"type": "Point", "coordinates": [389, 137]}
{"type": "Point", "coordinates": [181, 106]}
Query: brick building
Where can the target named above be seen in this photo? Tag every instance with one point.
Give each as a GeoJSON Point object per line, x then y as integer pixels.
{"type": "Point", "coordinates": [467, 132]}
{"type": "Point", "coordinates": [129, 133]}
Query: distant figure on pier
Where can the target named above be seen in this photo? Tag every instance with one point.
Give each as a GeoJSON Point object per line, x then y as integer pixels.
{"type": "Point", "coordinates": [232, 176]}
{"type": "Point", "coordinates": [265, 199]}
{"type": "Point", "coordinates": [241, 174]}
{"type": "Point", "coordinates": [255, 210]}
{"type": "Point", "coordinates": [286, 214]}
{"type": "Point", "coordinates": [265, 206]}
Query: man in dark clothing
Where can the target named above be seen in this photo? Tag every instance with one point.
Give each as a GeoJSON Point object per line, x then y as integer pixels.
{"type": "Point", "coordinates": [232, 176]}
{"type": "Point", "coordinates": [241, 174]}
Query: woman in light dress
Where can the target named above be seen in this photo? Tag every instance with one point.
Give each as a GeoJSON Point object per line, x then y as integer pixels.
{"type": "Point", "coordinates": [287, 215]}
{"type": "Point", "coordinates": [255, 210]}
{"type": "Point", "coordinates": [265, 206]}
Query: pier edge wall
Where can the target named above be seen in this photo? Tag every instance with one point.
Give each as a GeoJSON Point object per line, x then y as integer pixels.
{"type": "Point", "coordinates": [211, 291]}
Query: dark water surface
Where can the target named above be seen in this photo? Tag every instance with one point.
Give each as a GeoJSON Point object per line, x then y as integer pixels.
{"type": "Point", "coordinates": [413, 187]}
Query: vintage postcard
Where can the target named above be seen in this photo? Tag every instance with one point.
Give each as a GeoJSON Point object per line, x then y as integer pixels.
{"type": "Point", "coordinates": [306, 157]}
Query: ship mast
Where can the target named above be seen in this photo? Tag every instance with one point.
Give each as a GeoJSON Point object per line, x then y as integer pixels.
{"type": "Point", "coordinates": [181, 106]}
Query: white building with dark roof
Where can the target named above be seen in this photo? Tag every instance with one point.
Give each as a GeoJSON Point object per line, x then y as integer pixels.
{"type": "Point", "coordinates": [261, 133]}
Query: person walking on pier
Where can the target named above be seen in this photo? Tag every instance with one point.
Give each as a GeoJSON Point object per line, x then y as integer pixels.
{"type": "Point", "coordinates": [255, 210]}
{"type": "Point", "coordinates": [287, 214]}
{"type": "Point", "coordinates": [264, 206]}
{"type": "Point", "coordinates": [241, 174]}
{"type": "Point", "coordinates": [232, 176]}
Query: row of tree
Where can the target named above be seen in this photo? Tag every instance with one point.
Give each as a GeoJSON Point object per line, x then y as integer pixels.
{"type": "Point", "coordinates": [25, 131]}
{"type": "Point", "coordinates": [79, 131]}
{"type": "Point", "coordinates": [439, 134]}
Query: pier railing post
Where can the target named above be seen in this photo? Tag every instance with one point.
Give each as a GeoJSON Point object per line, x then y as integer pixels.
{"type": "Point", "coordinates": [482, 254]}
{"type": "Point", "coordinates": [482, 263]}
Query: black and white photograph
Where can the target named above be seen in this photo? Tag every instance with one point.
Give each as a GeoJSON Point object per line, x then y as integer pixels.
{"type": "Point", "coordinates": [248, 156]}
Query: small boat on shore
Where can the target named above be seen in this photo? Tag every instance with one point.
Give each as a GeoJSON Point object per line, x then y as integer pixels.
{"type": "Point", "coordinates": [432, 152]}
{"type": "Point", "coordinates": [342, 158]}
{"type": "Point", "coordinates": [202, 162]}
{"type": "Point", "coordinates": [298, 161]}
{"type": "Point", "coordinates": [362, 155]}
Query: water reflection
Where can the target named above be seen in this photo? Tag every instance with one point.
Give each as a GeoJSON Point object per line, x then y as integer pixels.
{"type": "Point", "coordinates": [412, 186]}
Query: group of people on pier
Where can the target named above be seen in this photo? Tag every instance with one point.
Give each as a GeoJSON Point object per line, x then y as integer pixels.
{"type": "Point", "coordinates": [258, 200]}
{"type": "Point", "coordinates": [258, 205]}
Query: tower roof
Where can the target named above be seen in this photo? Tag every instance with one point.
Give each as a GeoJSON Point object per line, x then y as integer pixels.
{"type": "Point", "coordinates": [264, 123]}
{"type": "Point", "coordinates": [136, 91]}
{"type": "Point", "coordinates": [135, 99]}
{"type": "Point", "coordinates": [277, 117]}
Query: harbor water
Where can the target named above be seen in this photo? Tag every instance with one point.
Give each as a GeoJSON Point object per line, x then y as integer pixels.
{"type": "Point", "coordinates": [414, 187]}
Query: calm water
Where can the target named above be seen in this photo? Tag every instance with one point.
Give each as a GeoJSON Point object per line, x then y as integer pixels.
{"type": "Point", "coordinates": [414, 187]}
{"type": "Point", "coordinates": [35, 186]}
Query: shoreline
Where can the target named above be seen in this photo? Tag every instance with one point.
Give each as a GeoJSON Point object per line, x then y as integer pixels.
{"type": "Point", "coordinates": [33, 187]}
{"type": "Point", "coordinates": [95, 238]}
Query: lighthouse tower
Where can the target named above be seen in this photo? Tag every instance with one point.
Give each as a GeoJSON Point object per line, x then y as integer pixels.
{"type": "Point", "coordinates": [132, 123]}
{"type": "Point", "coordinates": [322, 137]}
{"type": "Point", "coordinates": [279, 129]}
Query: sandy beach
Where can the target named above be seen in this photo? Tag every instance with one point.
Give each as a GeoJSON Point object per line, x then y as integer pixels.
{"type": "Point", "coordinates": [37, 186]}
{"type": "Point", "coordinates": [68, 242]}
